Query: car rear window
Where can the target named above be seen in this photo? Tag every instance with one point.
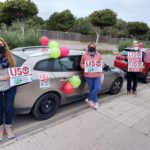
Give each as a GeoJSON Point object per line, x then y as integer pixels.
{"type": "Point", "coordinates": [125, 52]}
{"type": "Point", "coordinates": [19, 61]}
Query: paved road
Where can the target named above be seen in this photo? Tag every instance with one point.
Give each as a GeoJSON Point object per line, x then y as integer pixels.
{"type": "Point", "coordinates": [25, 123]}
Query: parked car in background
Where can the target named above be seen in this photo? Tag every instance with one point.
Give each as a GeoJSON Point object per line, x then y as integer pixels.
{"type": "Point", "coordinates": [121, 62]}
{"type": "Point", "coordinates": [44, 102]}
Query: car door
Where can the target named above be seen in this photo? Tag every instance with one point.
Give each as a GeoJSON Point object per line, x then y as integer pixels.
{"type": "Point", "coordinates": [109, 77]}
{"type": "Point", "coordinates": [63, 69]}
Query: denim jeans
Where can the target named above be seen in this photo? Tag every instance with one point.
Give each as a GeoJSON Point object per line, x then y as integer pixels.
{"type": "Point", "coordinates": [6, 106]}
{"type": "Point", "coordinates": [94, 85]}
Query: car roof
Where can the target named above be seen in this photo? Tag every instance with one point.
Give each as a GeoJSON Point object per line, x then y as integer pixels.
{"type": "Point", "coordinates": [35, 51]}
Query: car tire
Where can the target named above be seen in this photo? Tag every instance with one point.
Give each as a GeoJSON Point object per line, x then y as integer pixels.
{"type": "Point", "coordinates": [116, 86]}
{"type": "Point", "coordinates": [46, 106]}
{"type": "Point", "coordinates": [146, 78]}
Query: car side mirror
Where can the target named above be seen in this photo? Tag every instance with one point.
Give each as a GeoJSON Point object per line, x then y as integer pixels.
{"type": "Point", "coordinates": [106, 68]}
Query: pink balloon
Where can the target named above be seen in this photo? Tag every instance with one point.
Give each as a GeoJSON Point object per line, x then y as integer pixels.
{"type": "Point", "coordinates": [64, 51]}
{"type": "Point", "coordinates": [44, 41]}
{"type": "Point", "coordinates": [68, 88]}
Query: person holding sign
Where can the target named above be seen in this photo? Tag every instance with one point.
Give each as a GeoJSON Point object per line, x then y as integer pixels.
{"type": "Point", "coordinates": [91, 62]}
{"type": "Point", "coordinates": [135, 65]}
{"type": "Point", "coordinates": [7, 94]}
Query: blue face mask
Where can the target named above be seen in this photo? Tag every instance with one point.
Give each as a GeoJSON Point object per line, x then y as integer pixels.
{"type": "Point", "coordinates": [91, 49]}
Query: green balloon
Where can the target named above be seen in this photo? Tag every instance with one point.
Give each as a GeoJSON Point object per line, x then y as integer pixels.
{"type": "Point", "coordinates": [54, 53]}
{"type": "Point", "coordinates": [53, 44]}
{"type": "Point", "coordinates": [75, 81]}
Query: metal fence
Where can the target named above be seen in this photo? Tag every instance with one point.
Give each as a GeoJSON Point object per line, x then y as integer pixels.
{"type": "Point", "coordinates": [71, 36]}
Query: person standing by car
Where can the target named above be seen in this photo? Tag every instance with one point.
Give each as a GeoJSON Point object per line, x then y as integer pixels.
{"type": "Point", "coordinates": [6, 97]}
{"type": "Point", "coordinates": [134, 58]}
{"type": "Point", "coordinates": [93, 78]}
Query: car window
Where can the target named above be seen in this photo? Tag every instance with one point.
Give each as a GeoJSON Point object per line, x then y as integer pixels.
{"type": "Point", "coordinates": [42, 65]}
{"type": "Point", "coordinates": [55, 65]}
{"type": "Point", "coordinates": [19, 61]}
{"type": "Point", "coordinates": [125, 52]}
{"type": "Point", "coordinates": [70, 63]}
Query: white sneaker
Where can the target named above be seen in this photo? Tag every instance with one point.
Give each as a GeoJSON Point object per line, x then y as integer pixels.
{"type": "Point", "coordinates": [90, 103]}
{"type": "Point", "coordinates": [96, 105]}
{"type": "Point", "coordinates": [9, 132]}
{"type": "Point", "coordinates": [87, 100]}
{"type": "Point", "coordinates": [1, 132]}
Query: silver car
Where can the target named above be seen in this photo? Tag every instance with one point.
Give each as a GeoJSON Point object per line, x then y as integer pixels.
{"type": "Point", "coordinates": [43, 100]}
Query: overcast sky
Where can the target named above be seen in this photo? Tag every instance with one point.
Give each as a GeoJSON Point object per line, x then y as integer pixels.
{"type": "Point", "coordinates": [128, 10]}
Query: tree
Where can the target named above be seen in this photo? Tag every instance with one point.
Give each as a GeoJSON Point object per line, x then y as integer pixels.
{"type": "Point", "coordinates": [102, 18]}
{"type": "Point", "coordinates": [35, 22]}
{"type": "Point", "coordinates": [18, 10]}
{"type": "Point", "coordinates": [137, 28]}
{"type": "Point", "coordinates": [83, 26]}
{"type": "Point", "coordinates": [118, 30]}
{"type": "Point", "coordinates": [62, 21]}
{"type": "Point", "coordinates": [1, 7]}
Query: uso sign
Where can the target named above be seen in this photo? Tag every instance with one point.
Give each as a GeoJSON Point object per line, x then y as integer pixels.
{"type": "Point", "coordinates": [135, 63]}
{"type": "Point", "coordinates": [19, 75]}
{"type": "Point", "coordinates": [93, 66]}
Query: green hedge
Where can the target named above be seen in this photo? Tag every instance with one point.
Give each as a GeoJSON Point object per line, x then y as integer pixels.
{"type": "Point", "coordinates": [17, 39]}
{"type": "Point", "coordinates": [123, 44]}
{"type": "Point", "coordinates": [147, 46]}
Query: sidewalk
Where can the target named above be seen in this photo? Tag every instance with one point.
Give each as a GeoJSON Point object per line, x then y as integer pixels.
{"type": "Point", "coordinates": [120, 124]}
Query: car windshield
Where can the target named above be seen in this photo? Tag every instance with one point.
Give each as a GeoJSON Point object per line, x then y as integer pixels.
{"type": "Point", "coordinates": [19, 61]}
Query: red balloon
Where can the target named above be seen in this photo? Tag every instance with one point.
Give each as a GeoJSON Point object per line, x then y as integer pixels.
{"type": "Point", "coordinates": [44, 41]}
{"type": "Point", "coordinates": [61, 85]}
{"type": "Point", "coordinates": [64, 51]}
{"type": "Point", "coordinates": [68, 88]}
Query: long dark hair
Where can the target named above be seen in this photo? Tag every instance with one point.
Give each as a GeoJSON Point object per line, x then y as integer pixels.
{"type": "Point", "coordinates": [8, 54]}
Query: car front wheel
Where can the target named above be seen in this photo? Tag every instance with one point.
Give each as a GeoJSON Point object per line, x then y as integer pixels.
{"type": "Point", "coordinates": [46, 106]}
{"type": "Point", "coordinates": [116, 86]}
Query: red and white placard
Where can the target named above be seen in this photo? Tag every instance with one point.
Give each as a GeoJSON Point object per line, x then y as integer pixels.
{"type": "Point", "coordinates": [44, 80]}
{"type": "Point", "coordinates": [135, 63]}
{"type": "Point", "coordinates": [93, 66]}
{"type": "Point", "coordinates": [19, 75]}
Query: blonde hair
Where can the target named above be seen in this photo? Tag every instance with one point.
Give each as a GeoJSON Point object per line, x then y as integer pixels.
{"type": "Point", "coordinates": [8, 53]}
{"type": "Point", "coordinates": [92, 44]}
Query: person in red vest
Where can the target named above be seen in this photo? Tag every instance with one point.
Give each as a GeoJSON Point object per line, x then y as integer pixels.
{"type": "Point", "coordinates": [92, 59]}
